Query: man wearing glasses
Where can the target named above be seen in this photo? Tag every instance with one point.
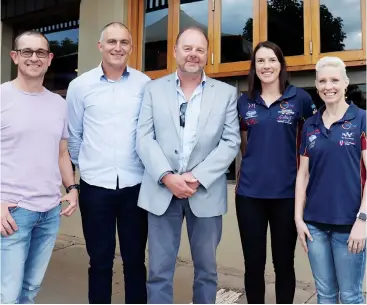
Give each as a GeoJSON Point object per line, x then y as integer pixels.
{"type": "Point", "coordinates": [187, 137]}
{"type": "Point", "coordinates": [104, 104]}
{"type": "Point", "coordinates": [34, 162]}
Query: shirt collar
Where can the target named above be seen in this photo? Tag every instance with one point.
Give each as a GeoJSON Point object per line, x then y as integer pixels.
{"type": "Point", "coordinates": [289, 92]}
{"type": "Point", "coordinates": [203, 79]}
{"type": "Point", "coordinates": [101, 74]}
{"type": "Point", "coordinates": [350, 114]}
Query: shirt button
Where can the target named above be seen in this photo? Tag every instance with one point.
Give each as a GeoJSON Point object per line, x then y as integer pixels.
{"type": "Point", "coordinates": [176, 170]}
{"type": "Point", "coordinates": [176, 151]}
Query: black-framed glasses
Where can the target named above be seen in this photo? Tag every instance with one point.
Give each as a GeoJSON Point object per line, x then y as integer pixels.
{"type": "Point", "coordinates": [27, 53]}
{"type": "Point", "coordinates": [183, 108]}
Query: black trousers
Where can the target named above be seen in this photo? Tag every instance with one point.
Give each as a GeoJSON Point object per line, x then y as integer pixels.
{"type": "Point", "coordinates": [101, 210]}
{"type": "Point", "coordinates": [253, 216]}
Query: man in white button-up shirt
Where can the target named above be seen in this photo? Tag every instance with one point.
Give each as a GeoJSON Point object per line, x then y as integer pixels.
{"type": "Point", "coordinates": [104, 105]}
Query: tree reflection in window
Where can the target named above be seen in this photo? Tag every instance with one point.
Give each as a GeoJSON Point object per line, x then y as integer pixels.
{"type": "Point", "coordinates": [341, 23]}
{"type": "Point", "coordinates": [63, 69]}
{"type": "Point", "coordinates": [236, 31]}
{"type": "Point", "coordinates": [286, 27]}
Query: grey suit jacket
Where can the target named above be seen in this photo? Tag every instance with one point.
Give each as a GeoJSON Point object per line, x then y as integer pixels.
{"type": "Point", "coordinates": [158, 143]}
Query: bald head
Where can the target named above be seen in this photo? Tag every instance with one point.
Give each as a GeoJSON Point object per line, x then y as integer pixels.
{"type": "Point", "coordinates": [114, 24]}
{"type": "Point", "coordinates": [191, 29]}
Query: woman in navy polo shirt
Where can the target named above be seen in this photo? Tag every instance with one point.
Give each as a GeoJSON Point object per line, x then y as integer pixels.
{"type": "Point", "coordinates": [330, 213]}
{"type": "Point", "coordinates": [271, 116]}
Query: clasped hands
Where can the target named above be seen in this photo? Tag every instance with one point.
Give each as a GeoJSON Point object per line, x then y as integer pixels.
{"type": "Point", "coordinates": [182, 186]}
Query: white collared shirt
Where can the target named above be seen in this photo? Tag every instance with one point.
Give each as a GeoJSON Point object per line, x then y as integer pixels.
{"type": "Point", "coordinates": [189, 132]}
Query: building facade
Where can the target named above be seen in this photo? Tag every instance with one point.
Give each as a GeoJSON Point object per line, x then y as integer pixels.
{"type": "Point", "coordinates": [306, 30]}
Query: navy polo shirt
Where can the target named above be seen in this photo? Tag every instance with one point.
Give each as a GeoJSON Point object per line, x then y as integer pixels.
{"type": "Point", "coordinates": [336, 168]}
{"type": "Point", "coordinates": [269, 166]}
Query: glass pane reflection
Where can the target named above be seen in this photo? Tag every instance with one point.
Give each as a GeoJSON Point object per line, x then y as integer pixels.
{"type": "Point", "coordinates": [236, 30]}
{"type": "Point", "coordinates": [340, 24]}
{"type": "Point", "coordinates": [64, 46]}
{"type": "Point", "coordinates": [194, 13]}
{"type": "Point", "coordinates": [285, 25]}
{"type": "Point", "coordinates": [155, 35]}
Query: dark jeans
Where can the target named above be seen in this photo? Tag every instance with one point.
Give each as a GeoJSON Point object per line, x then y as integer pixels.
{"type": "Point", "coordinates": [101, 209]}
{"type": "Point", "coordinates": [253, 216]}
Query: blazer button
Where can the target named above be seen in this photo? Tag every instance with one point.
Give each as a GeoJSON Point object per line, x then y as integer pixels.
{"type": "Point", "coordinates": [176, 151]}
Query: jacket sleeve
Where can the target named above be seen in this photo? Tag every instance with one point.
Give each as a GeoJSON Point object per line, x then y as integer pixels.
{"type": "Point", "coordinates": [147, 147]}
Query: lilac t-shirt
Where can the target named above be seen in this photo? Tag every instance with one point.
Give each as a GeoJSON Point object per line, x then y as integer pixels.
{"type": "Point", "coordinates": [32, 125]}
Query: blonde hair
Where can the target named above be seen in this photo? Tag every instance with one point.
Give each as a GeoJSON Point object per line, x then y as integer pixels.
{"type": "Point", "coordinates": [332, 61]}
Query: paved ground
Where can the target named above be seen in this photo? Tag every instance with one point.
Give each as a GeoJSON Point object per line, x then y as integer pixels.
{"type": "Point", "coordinates": [66, 280]}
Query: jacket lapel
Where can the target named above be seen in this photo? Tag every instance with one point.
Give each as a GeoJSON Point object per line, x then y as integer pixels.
{"type": "Point", "coordinates": [171, 94]}
{"type": "Point", "coordinates": [207, 102]}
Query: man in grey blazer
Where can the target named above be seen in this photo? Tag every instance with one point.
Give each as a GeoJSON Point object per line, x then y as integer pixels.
{"type": "Point", "coordinates": [187, 137]}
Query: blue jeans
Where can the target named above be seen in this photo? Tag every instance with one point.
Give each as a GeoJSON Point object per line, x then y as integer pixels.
{"type": "Point", "coordinates": [26, 253]}
{"type": "Point", "coordinates": [164, 235]}
{"type": "Point", "coordinates": [338, 273]}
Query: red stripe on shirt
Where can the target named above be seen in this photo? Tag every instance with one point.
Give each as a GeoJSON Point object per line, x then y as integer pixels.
{"type": "Point", "coordinates": [363, 141]}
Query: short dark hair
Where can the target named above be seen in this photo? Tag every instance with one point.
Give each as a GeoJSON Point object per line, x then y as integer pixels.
{"type": "Point", "coordinates": [30, 33]}
{"type": "Point", "coordinates": [195, 28]}
{"type": "Point", "coordinates": [254, 85]}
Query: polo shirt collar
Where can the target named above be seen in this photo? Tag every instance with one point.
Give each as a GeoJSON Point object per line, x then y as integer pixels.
{"type": "Point", "coordinates": [349, 115]}
{"type": "Point", "coordinates": [289, 92]}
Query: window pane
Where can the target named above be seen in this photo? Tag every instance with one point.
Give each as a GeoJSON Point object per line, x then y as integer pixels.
{"type": "Point", "coordinates": [155, 35]}
{"type": "Point", "coordinates": [194, 13]}
{"type": "Point", "coordinates": [64, 67]}
{"type": "Point", "coordinates": [236, 33]}
{"type": "Point", "coordinates": [285, 25]}
{"type": "Point", "coordinates": [340, 24]}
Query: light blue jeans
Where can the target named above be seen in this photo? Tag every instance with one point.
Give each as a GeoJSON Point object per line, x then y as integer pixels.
{"type": "Point", "coordinates": [26, 253]}
{"type": "Point", "coordinates": [164, 236]}
{"type": "Point", "coordinates": [338, 273]}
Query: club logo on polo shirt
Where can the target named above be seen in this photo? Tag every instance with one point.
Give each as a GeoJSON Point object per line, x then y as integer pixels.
{"type": "Point", "coordinates": [284, 105]}
{"type": "Point", "coordinates": [251, 121]}
{"type": "Point", "coordinates": [316, 131]}
{"type": "Point", "coordinates": [348, 125]}
{"type": "Point", "coordinates": [286, 113]}
{"type": "Point", "coordinates": [251, 114]}
{"type": "Point", "coordinates": [286, 108]}
{"type": "Point", "coordinates": [314, 109]}
{"type": "Point", "coordinates": [312, 139]}
{"type": "Point", "coordinates": [347, 138]}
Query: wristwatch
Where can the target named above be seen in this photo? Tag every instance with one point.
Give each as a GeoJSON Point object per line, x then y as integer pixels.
{"type": "Point", "coordinates": [73, 186]}
{"type": "Point", "coordinates": [362, 216]}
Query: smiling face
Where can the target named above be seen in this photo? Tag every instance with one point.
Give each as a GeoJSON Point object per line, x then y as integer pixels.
{"type": "Point", "coordinates": [116, 46]}
{"type": "Point", "coordinates": [191, 52]}
{"type": "Point", "coordinates": [331, 84]}
{"type": "Point", "coordinates": [267, 66]}
{"type": "Point", "coordinates": [32, 56]}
